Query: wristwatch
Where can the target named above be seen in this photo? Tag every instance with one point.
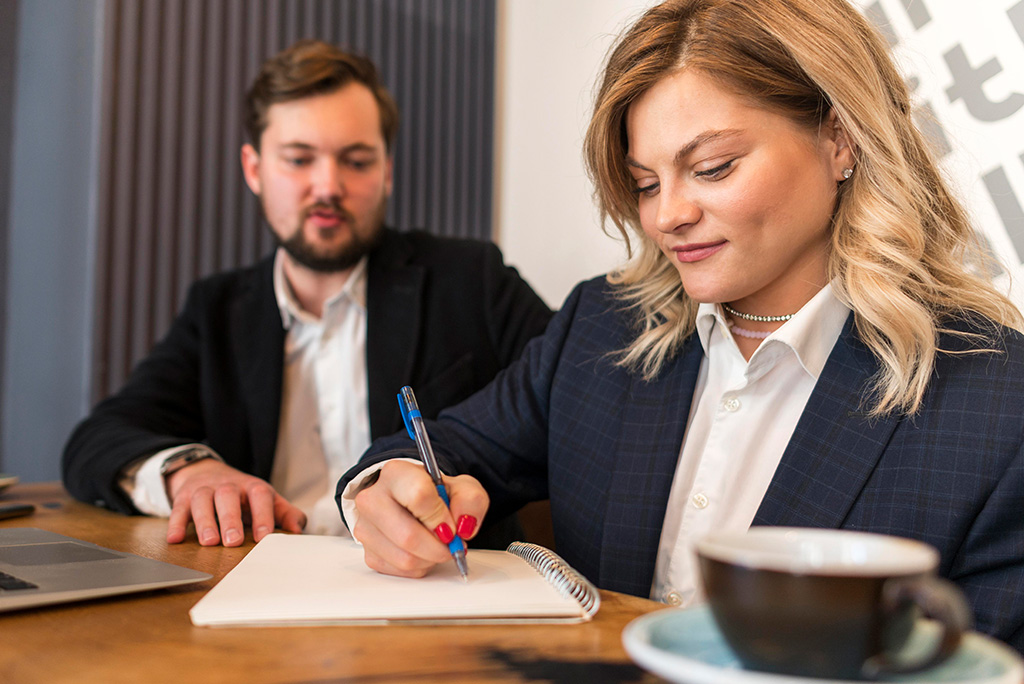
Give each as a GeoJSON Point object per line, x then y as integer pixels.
{"type": "Point", "coordinates": [185, 457]}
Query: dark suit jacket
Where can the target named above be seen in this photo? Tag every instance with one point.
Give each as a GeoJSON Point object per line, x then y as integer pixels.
{"type": "Point", "coordinates": [443, 315]}
{"type": "Point", "coordinates": [565, 422]}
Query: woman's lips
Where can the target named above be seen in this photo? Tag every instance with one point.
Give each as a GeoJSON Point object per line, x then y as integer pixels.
{"type": "Point", "coordinates": [697, 251]}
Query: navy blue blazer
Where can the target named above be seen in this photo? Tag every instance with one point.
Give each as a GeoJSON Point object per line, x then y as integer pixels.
{"type": "Point", "coordinates": [565, 423]}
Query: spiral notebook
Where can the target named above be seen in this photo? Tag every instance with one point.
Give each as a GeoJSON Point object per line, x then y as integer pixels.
{"type": "Point", "coordinates": [306, 580]}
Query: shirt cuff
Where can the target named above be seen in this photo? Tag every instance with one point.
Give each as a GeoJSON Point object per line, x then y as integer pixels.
{"type": "Point", "coordinates": [366, 478]}
{"type": "Point", "coordinates": [144, 484]}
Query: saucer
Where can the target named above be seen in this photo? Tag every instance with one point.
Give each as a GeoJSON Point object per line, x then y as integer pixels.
{"type": "Point", "coordinates": [7, 480]}
{"type": "Point", "coordinates": [685, 646]}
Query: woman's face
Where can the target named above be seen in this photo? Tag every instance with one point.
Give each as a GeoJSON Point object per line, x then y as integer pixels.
{"type": "Point", "coordinates": [740, 199]}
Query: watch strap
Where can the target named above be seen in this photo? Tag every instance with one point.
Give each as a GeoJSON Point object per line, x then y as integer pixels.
{"type": "Point", "coordinates": [186, 457]}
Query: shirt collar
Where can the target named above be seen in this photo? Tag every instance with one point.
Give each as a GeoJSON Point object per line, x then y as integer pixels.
{"type": "Point", "coordinates": [354, 291]}
{"type": "Point", "coordinates": [811, 333]}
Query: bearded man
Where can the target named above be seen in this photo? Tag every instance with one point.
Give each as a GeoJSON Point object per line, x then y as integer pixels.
{"type": "Point", "coordinates": [274, 378]}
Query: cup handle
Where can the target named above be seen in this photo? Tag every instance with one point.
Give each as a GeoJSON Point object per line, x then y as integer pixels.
{"type": "Point", "coordinates": [938, 599]}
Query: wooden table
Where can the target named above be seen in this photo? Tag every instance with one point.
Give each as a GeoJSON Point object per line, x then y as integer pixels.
{"type": "Point", "coordinates": [149, 638]}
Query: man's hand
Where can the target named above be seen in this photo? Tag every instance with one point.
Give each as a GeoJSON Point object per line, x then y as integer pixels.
{"type": "Point", "coordinates": [404, 525]}
{"type": "Point", "coordinates": [219, 499]}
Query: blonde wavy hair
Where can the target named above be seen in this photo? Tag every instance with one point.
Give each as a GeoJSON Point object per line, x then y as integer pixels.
{"type": "Point", "coordinates": [903, 254]}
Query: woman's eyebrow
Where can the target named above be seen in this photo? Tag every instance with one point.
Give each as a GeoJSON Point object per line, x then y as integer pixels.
{"type": "Point", "coordinates": [702, 139]}
{"type": "Point", "coordinates": [688, 149]}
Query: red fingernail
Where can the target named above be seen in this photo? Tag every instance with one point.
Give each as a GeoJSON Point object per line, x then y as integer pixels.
{"type": "Point", "coordinates": [466, 525]}
{"type": "Point", "coordinates": [444, 533]}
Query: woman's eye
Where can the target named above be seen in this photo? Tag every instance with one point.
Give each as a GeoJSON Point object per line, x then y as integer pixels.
{"type": "Point", "coordinates": [717, 171]}
{"type": "Point", "coordinates": [648, 189]}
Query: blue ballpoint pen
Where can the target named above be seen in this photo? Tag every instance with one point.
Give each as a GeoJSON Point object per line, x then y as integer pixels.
{"type": "Point", "coordinates": [418, 432]}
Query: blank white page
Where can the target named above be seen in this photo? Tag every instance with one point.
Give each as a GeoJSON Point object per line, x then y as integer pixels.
{"type": "Point", "coordinates": [303, 579]}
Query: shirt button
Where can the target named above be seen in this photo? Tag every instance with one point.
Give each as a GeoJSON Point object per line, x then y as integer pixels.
{"type": "Point", "coordinates": [700, 501]}
{"type": "Point", "coordinates": [673, 598]}
{"type": "Point", "coordinates": [731, 405]}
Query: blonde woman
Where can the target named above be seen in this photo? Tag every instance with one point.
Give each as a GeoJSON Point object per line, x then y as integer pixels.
{"type": "Point", "coordinates": [802, 336]}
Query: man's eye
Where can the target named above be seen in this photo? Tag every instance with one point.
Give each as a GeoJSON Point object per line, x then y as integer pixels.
{"type": "Point", "coordinates": [360, 164]}
{"type": "Point", "coordinates": [298, 161]}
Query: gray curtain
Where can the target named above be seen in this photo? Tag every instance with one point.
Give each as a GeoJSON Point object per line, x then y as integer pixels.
{"type": "Point", "coordinates": [172, 204]}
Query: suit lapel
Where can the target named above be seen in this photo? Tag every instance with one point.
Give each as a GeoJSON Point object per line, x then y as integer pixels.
{"type": "Point", "coordinates": [654, 419]}
{"type": "Point", "coordinates": [834, 447]}
{"type": "Point", "coordinates": [258, 345]}
{"type": "Point", "coordinates": [394, 305]}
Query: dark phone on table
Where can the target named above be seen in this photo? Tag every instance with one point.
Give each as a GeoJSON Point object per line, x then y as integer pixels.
{"type": "Point", "coordinates": [15, 510]}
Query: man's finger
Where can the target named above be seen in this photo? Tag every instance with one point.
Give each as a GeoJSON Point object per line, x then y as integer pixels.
{"type": "Point", "coordinates": [288, 517]}
{"type": "Point", "coordinates": [177, 523]}
{"type": "Point", "coordinates": [262, 510]}
{"type": "Point", "coordinates": [203, 516]}
{"type": "Point", "coordinates": [228, 504]}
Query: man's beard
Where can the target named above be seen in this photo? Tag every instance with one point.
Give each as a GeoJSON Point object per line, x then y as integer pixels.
{"type": "Point", "coordinates": [341, 258]}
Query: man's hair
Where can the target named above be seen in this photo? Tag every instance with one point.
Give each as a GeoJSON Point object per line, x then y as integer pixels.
{"type": "Point", "coordinates": [902, 247]}
{"type": "Point", "coordinates": [308, 68]}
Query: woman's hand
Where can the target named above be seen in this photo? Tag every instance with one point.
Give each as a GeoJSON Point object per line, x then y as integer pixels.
{"type": "Point", "coordinates": [404, 525]}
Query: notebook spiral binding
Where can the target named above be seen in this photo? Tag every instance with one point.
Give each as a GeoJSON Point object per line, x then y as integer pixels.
{"type": "Point", "coordinates": [560, 574]}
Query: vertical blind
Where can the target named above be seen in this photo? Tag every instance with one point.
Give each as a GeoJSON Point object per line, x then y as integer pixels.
{"type": "Point", "coordinates": [172, 204]}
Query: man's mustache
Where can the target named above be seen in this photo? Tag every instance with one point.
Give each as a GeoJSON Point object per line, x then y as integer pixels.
{"type": "Point", "coordinates": [329, 207]}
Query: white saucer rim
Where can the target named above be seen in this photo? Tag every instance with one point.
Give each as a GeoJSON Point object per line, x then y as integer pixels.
{"type": "Point", "coordinates": [700, 672]}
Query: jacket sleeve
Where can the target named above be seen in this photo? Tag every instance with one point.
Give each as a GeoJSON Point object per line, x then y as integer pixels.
{"type": "Point", "coordinates": [157, 408]}
{"type": "Point", "coordinates": [989, 565]}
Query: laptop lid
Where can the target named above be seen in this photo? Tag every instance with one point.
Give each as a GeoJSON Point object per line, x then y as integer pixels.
{"type": "Point", "coordinates": [39, 568]}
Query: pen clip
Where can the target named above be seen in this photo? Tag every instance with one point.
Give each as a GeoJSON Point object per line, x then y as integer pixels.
{"type": "Point", "coordinates": [407, 403]}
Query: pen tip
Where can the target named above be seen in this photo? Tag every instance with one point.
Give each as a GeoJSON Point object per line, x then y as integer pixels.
{"type": "Point", "coordinates": [462, 565]}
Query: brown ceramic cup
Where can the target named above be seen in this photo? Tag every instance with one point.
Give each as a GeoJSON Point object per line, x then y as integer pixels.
{"type": "Point", "coordinates": [833, 604]}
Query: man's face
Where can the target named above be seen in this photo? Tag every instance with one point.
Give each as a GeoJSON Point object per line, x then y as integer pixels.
{"type": "Point", "coordinates": [323, 176]}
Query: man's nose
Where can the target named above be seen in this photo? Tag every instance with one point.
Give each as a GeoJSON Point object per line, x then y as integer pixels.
{"type": "Point", "coordinates": [328, 180]}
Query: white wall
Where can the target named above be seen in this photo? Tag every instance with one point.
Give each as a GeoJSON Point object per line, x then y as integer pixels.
{"type": "Point", "coordinates": [964, 62]}
{"type": "Point", "coordinates": [550, 52]}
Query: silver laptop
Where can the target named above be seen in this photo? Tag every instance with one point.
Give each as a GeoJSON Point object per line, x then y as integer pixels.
{"type": "Point", "coordinates": [39, 568]}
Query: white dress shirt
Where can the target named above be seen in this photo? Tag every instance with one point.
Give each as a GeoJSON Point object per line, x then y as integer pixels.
{"type": "Point", "coordinates": [325, 415]}
{"type": "Point", "coordinates": [324, 424]}
{"type": "Point", "coordinates": [741, 419]}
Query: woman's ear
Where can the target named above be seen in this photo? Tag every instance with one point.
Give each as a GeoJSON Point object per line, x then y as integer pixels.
{"type": "Point", "coordinates": [843, 154]}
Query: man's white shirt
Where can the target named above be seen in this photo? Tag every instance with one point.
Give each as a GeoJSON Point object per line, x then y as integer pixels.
{"type": "Point", "coordinates": [324, 426]}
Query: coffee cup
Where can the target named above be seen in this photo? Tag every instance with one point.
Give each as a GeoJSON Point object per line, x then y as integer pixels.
{"type": "Point", "coordinates": [833, 604]}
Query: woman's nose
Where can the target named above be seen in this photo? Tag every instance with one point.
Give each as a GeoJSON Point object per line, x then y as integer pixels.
{"type": "Point", "coordinates": [676, 209]}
